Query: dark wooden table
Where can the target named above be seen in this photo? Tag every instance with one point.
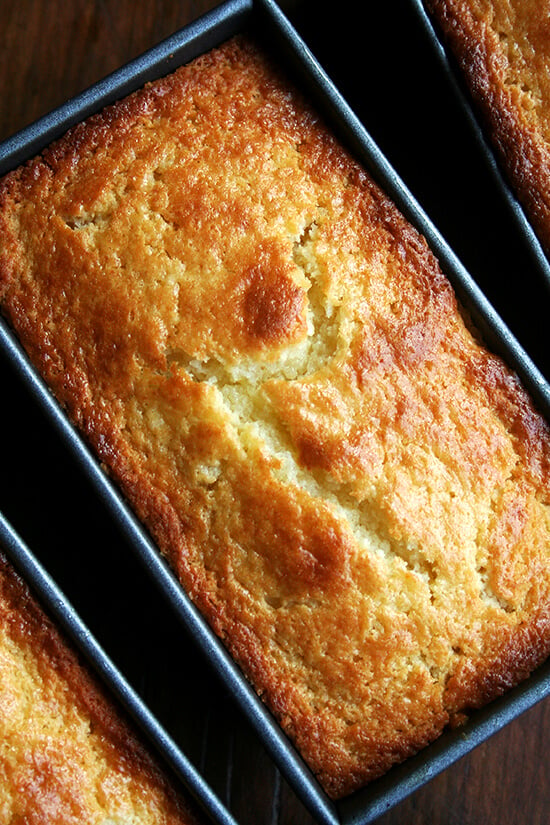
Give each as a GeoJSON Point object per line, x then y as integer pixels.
{"type": "Point", "coordinates": [52, 50]}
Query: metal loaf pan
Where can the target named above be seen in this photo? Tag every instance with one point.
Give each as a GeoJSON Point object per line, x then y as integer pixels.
{"type": "Point", "coordinates": [269, 22]}
{"type": "Point", "coordinates": [62, 613]}
{"type": "Point", "coordinates": [464, 101]}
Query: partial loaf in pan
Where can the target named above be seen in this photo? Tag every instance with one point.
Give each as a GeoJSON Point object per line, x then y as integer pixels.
{"type": "Point", "coordinates": [67, 753]}
{"type": "Point", "coordinates": [502, 48]}
{"type": "Point", "coordinates": [268, 360]}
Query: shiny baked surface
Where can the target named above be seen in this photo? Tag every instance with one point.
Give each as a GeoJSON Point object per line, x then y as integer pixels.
{"type": "Point", "coordinates": [268, 360]}
{"type": "Point", "coordinates": [502, 46]}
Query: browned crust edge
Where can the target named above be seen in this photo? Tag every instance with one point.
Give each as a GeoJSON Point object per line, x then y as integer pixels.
{"type": "Point", "coordinates": [521, 152]}
{"type": "Point", "coordinates": [29, 625]}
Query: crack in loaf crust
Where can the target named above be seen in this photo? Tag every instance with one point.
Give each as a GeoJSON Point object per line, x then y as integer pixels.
{"type": "Point", "coordinates": [269, 361]}
{"type": "Point", "coordinates": [503, 49]}
{"type": "Point", "coordinates": [66, 755]}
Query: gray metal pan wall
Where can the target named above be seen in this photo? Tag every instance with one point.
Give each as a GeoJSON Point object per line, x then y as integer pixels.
{"type": "Point", "coordinates": [62, 613]}
{"type": "Point", "coordinates": [450, 70]}
{"type": "Point", "coordinates": [91, 484]}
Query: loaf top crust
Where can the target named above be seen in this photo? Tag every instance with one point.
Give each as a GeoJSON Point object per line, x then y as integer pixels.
{"type": "Point", "coordinates": [269, 361]}
{"type": "Point", "coordinates": [67, 756]}
{"type": "Point", "coordinates": [503, 49]}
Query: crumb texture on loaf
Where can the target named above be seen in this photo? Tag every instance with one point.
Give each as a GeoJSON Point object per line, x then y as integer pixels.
{"type": "Point", "coordinates": [503, 49]}
{"type": "Point", "coordinates": [269, 361]}
{"type": "Point", "coordinates": [67, 757]}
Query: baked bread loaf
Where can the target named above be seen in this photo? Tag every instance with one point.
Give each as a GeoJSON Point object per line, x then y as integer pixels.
{"type": "Point", "coordinates": [67, 755]}
{"type": "Point", "coordinates": [269, 362]}
{"type": "Point", "coordinates": [503, 50]}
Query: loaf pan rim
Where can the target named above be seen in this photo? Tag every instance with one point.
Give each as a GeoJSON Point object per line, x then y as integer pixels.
{"type": "Point", "coordinates": [514, 207]}
{"type": "Point", "coordinates": [58, 607]}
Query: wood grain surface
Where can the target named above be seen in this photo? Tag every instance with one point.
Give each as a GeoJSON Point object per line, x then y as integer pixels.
{"type": "Point", "coordinates": [51, 50]}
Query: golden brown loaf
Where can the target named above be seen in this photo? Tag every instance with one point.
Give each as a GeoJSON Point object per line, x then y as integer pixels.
{"type": "Point", "coordinates": [66, 755]}
{"type": "Point", "coordinates": [503, 49]}
{"type": "Point", "coordinates": [270, 363]}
